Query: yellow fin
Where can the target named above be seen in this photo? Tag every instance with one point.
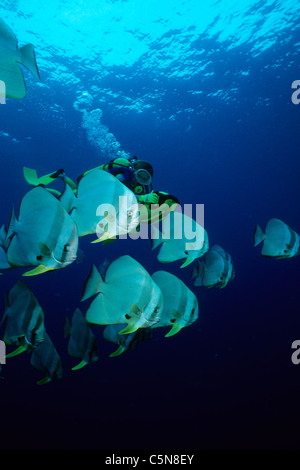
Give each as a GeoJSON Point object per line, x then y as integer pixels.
{"type": "Point", "coordinates": [46, 179]}
{"type": "Point", "coordinates": [102, 239]}
{"type": "Point", "coordinates": [80, 365]}
{"type": "Point", "coordinates": [30, 176]}
{"type": "Point", "coordinates": [131, 328]}
{"type": "Point", "coordinates": [109, 240]}
{"type": "Point", "coordinates": [44, 381]}
{"type": "Point", "coordinates": [174, 330]}
{"type": "Point", "coordinates": [16, 352]}
{"type": "Point", "coordinates": [38, 270]}
{"type": "Point", "coordinates": [187, 262]}
{"type": "Point", "coordinates": [118, 352]}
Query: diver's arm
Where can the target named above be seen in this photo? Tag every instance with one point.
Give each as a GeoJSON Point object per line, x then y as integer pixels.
{"type": "Point", "coordinates": [151, 198]}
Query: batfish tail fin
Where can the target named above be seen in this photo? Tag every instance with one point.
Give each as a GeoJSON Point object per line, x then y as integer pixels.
{"type": "Point", "coordinates": [93, 284]}
{"type": "Point", "coordinates": [258, 236]}
{"type": "Point", "coordinates": [28, 59]}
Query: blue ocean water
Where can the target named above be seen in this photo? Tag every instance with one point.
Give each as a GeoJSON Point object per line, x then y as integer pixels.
{"type": "Point", "coordinates": [203, 92]}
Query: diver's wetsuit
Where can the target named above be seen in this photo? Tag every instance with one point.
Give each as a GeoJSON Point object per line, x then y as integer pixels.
{"type": "Point", "coordinates": [124, 174]}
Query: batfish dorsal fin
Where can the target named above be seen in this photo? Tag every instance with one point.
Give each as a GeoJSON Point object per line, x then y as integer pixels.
{"type": "Point", "coordinates": [12, 222]}
{"type": "Point", "coordinates": [258, 236]}
{"type": "Point", "coordinates": [67, 327]}
{"type": "Point", "coordinates": [93, 284]}
{"type": "Point", "coordinates": [67, 198]}
{"type": "Point", "coordinates": [4, 264]}
{"type": "Point", "coordinates": [28, 59]}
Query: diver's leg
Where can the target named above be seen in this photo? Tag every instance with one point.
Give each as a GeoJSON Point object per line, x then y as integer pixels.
{"type": "Point", "coordinates": [71, 183]}
{"type": "Point", "coordinates": [31, 177]}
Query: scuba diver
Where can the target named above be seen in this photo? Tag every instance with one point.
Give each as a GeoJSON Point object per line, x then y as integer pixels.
{"type": "Point", "coordinates": [135, 174]}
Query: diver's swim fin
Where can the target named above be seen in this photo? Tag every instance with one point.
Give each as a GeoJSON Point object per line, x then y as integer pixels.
{"type": "Point", "coordinates": [31, 177]}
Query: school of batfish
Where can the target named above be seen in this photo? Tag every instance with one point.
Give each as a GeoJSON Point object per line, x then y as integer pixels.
{"type": "Point", "coordinates": [126, 301]}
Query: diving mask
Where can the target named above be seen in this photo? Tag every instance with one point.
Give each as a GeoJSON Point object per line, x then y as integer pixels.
{"type": "Point", "coordinates": [143, 177]}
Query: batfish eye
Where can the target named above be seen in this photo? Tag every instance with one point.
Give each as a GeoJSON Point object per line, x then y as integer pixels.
{"type": "Point", "coordinates": [66, 248]}
{"type": "Point", "coordinates": [193, 311]}
{"type": "Point", "coordinates": [285, 251]}
{"type": "Point", "coordinates": [39, 257]}
{"type": "Point", "coordinates": [127, 316]}
{"type": "Point", "coordinates": [186, 252]}
{"type": "Point", "coordinates": [130, 213]}
{"type": "Point", "coordinates": [156, 310]}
